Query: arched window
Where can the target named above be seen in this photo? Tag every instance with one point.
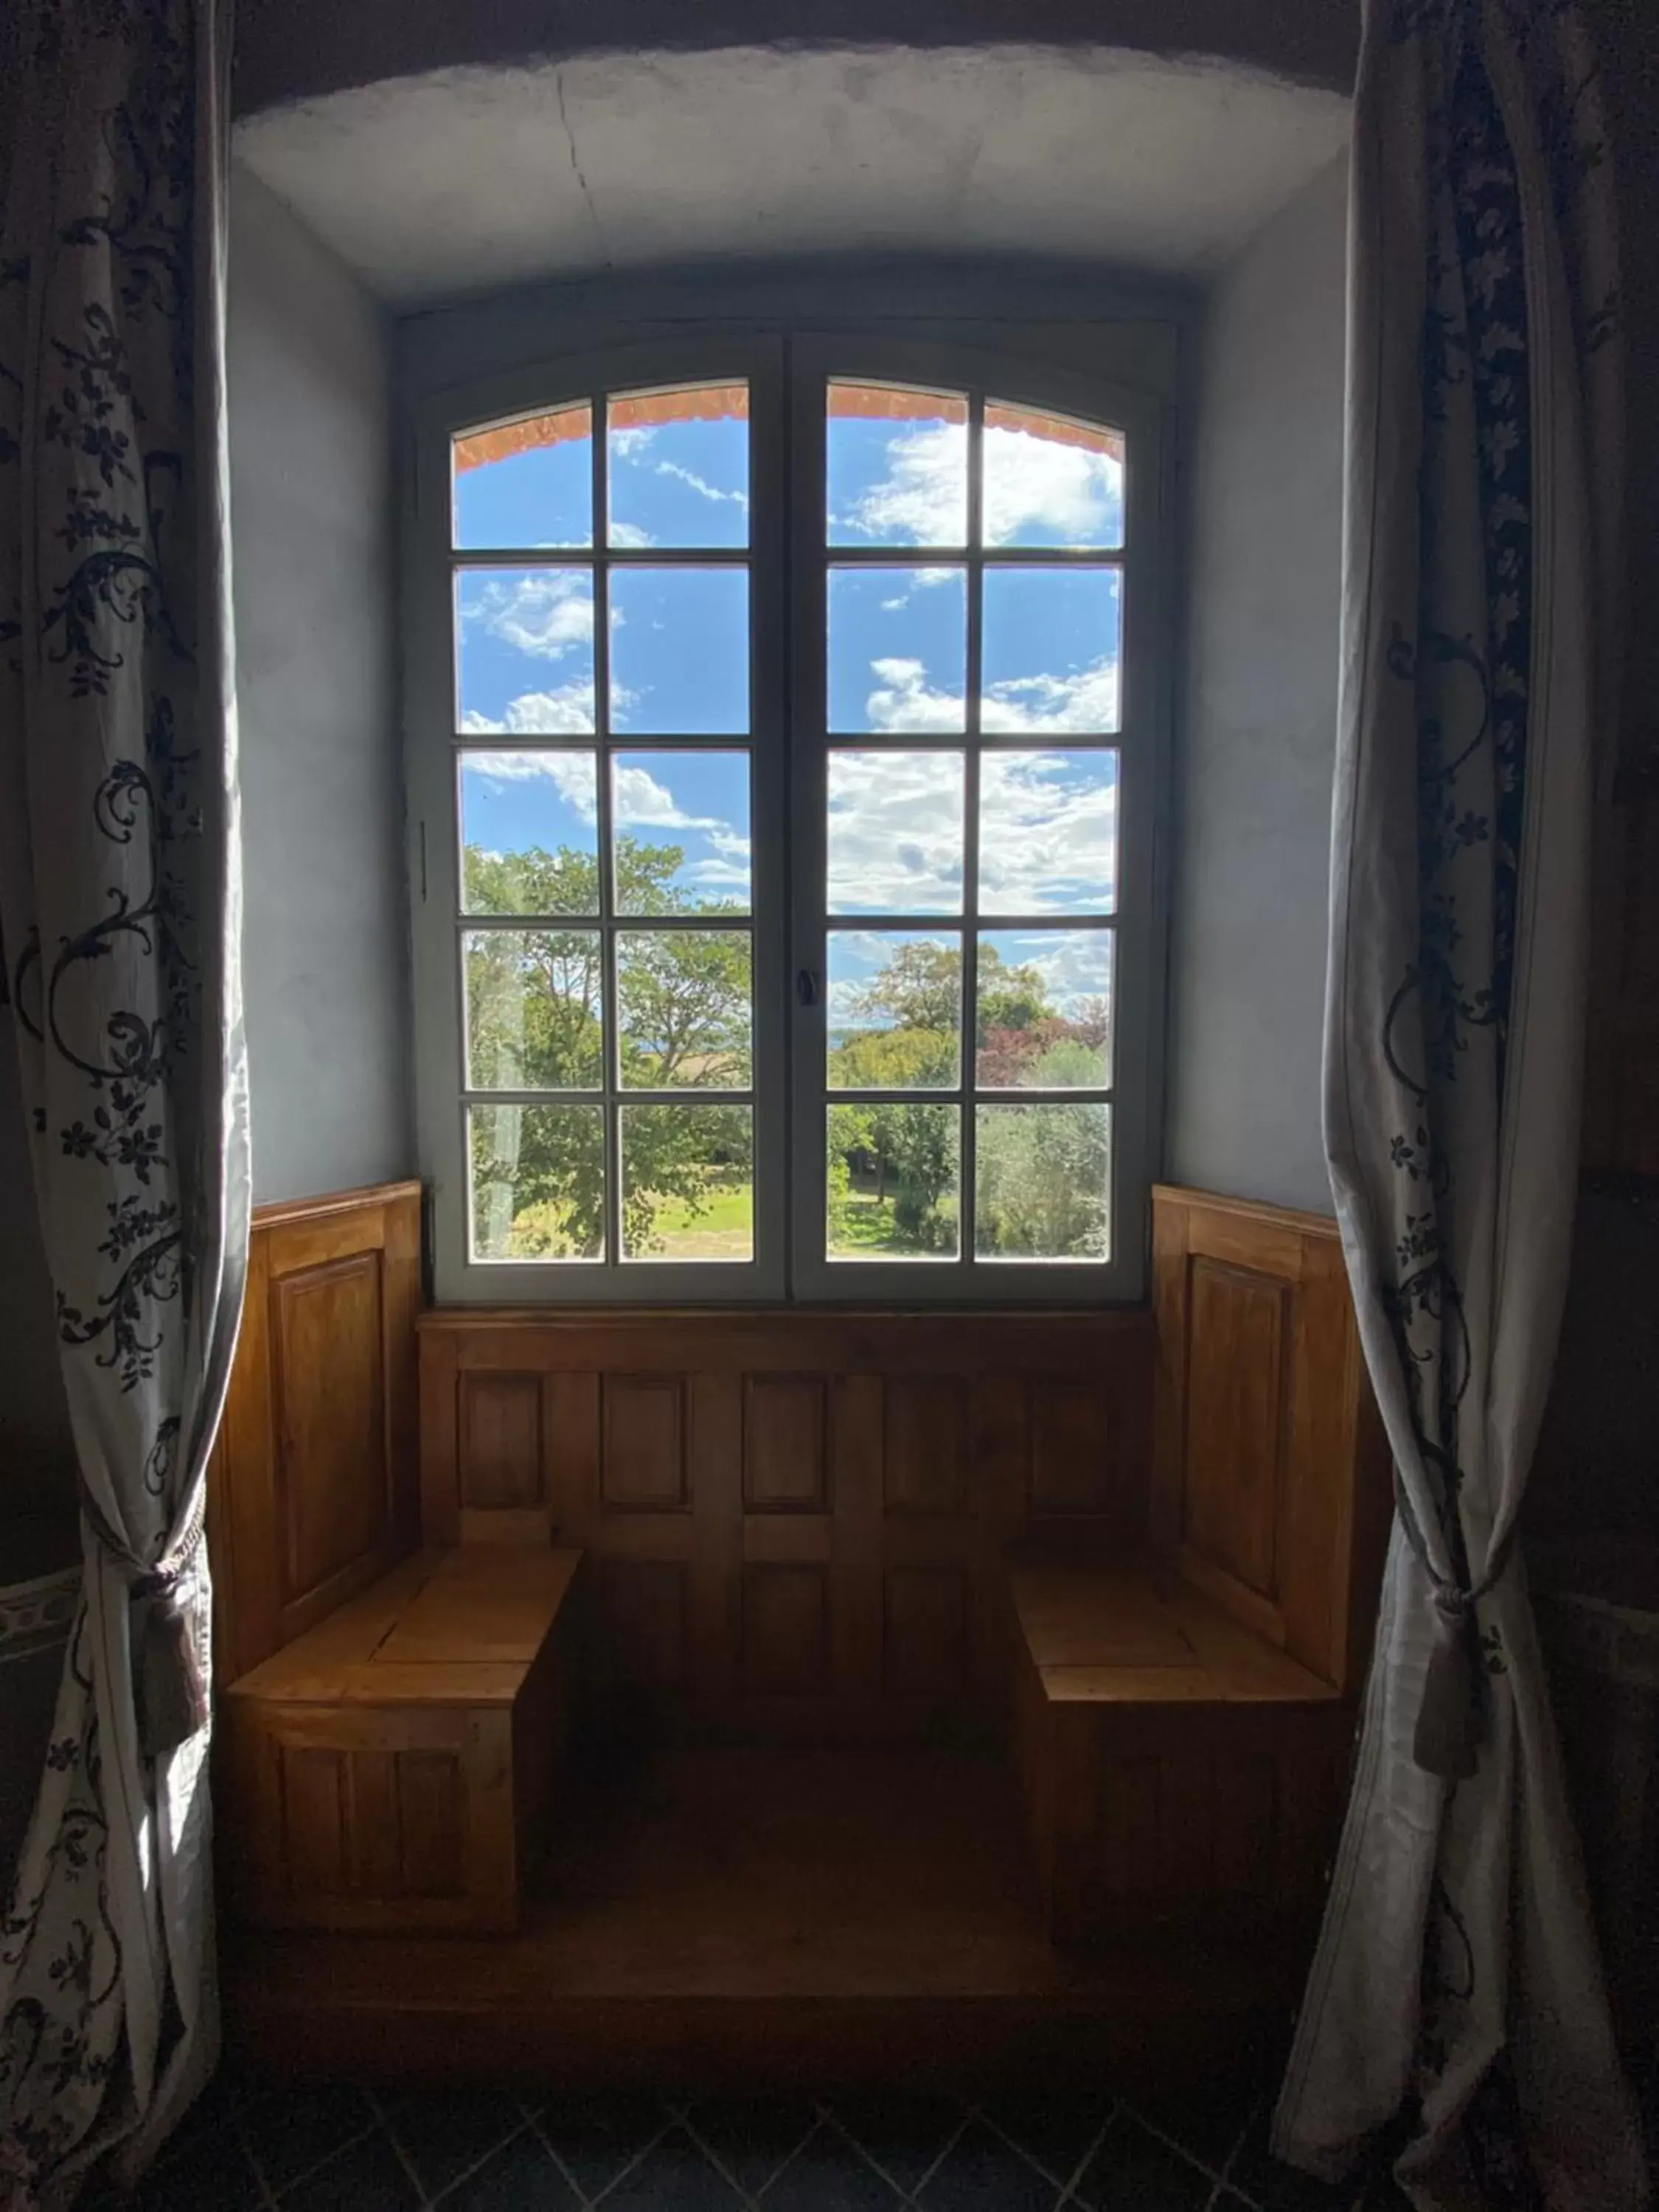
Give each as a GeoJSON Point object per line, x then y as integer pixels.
{"type": "Point", "coordinates": [784, 722]}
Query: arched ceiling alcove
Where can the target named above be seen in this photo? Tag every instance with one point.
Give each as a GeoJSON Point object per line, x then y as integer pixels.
{"type": "Point", "coordinates": [487, 173]}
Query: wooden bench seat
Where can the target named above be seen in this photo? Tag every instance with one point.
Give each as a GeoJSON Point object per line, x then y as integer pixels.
{"type": "Point", "coordinates": [1171, 1763]}
{"type": "Point", "coordinates": [393, 1768]}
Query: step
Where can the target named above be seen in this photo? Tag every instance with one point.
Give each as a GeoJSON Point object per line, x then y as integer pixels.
{"type": "Point", "coordinates": [758, 1916]}
{"type": "Point", "coordinates": [394, 1767]}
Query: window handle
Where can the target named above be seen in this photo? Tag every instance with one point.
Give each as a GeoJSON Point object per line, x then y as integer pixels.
{"type": "Point", "coordinates": [806, 987]}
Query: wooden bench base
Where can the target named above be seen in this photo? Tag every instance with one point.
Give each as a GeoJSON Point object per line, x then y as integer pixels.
{"type": "Point", "coordinates": [748, 1918]}
{"type": "Point", "coordinates": [392, 1769]}
{"type": "Point", "coordinates": [1172, 1764]}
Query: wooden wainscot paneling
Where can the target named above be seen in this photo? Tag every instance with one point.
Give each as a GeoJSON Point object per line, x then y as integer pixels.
{"type": "Point", "coordinates": [642, 1461]}
{"type": "Point", "coordinates": [500, 1442]}
{"type": "Point", "coordinates": [785, 1454]}
{"type": "Point", "coordinates": [925, 1453]}
{"type": "Point", "coordinates": [1271, 1486]}
{"type": "Point", "coordinates": [796, 1520]}
{"type": "Point", "coordinates": [786, 1629]}
{"type": "Point", "coordinates": [313, 1489]}
{"type": "Point", "coordinates": [1073, 1469]}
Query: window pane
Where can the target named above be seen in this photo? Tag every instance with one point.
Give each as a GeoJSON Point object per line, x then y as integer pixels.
{"type": "Point", "coordinates": [538, 1181]}
{"type": "Point", "coordinates": [896, 466]}
{"type": "Point", "coordinates": [894, 1173]}
{"type": "Point", "coordinates": [683, 999]}
{"type": "Point", "coordinates": [688, 1176]}
{"type": "Point", "coordinates": [1042, 1183]}
{"type": "Point", "coordinates": [894, 839]}
{"type": "Point", "coordinates": [1048, 832]}
{"type": "Point", "coordinates": [1044, 1017]}
{"type": "Point", "coordinates": [898, 650]}
{"type": "Point", "coordinates": [529, 843]}
{"type": "Point", "coordinates": [895, 1006]}
{"type": "Point", "coordinates": [681, 825]}
{"type": "Point", "coordinates": [534, 1019]}
{"type": "Point", "coordinates": [526, 483]}
{"type": "Point", "coordinates": [524, 651]}
{"type": "Point", "coordinates": [679, 467]}
{"type": "Point", "coordinates": [1051, 647]}
{"type": "Point", "coordinates": [1049, 481]}
{"type": "Point", "coordinates": [679, 652]}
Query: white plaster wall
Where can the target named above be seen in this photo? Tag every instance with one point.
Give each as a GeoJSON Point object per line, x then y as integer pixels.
{"type": "Point", "coordinates": [325, 968]}
{"type": "Point", "coordinates": [1256, 735]}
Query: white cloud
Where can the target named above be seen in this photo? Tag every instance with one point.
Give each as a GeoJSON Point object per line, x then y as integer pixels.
{"type": "Point", "coordinates": [720, 877]}
{"type": "Point", "coordinates": [1085, 700]}
{"type": "Point", "coordinates": [626, 443]}
{"type": "Point", "coordinates": [573, 775]}
{"type": "Point", "coordinates": [841, 1003]}
{"type": "Point", "coordinates": [1066, 495]}
{"type": "Point", "coordinates": [894, 832]}
{"type": "Point", "coordinates": [545, 615]}
{"type": "Point", "coordinates": [920, 579]}
{"type": "Point", "coordinates": [565, 712]}
{"type": "Point", "coordinates": [923, 498]}
{"type": "Point", "coordinates": [903, 701]}
{"type": "Point", "coordinates": [700, 484]}
{"type": "Point", "coordinates": [1075, 494]}
{"type": "Point", "coordinates": [642, 803]}
{"type": "Point", "coordinates": [1076, 966]}
{"type": "Point", "coordinates": [1050, 839]}
{"type": "Point", "coordinates": [630, 535]}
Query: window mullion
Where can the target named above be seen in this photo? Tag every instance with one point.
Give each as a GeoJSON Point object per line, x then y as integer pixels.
{"type": "Point", "coordinates": [610, 1010]}
{"type": "Point", "coordinates": [968, 1136]}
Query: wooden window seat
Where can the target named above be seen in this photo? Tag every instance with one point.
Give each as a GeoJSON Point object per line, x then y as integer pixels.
{"type": "Point", "coordinates": [1172, 1763]}
{"type": "Point", "coordinates": [980, 1663]}
{"type": "Point", "coordinates": [395, 1763]}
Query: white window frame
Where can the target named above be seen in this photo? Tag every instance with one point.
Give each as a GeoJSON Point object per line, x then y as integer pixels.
{"type": "Point", "coordinates": [786, 376]}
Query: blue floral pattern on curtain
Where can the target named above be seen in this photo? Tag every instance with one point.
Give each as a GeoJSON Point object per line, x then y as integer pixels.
{"type": "Point", "coordinates": [1455, 2005]}
{"type": "Point", "coordinates": [121, 928]}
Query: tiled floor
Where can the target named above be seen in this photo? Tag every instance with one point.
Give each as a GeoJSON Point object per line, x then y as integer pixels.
{"type": "Point", "coordinates": [335, 2149]}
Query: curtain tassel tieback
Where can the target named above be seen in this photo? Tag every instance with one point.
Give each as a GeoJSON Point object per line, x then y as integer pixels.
{"type": "Point", "coordinates": [1451, 1718]}
{"type": "Point", "coordinates": [170, 1689]}
{"type": "Point", "coordinates": [173, 1691]}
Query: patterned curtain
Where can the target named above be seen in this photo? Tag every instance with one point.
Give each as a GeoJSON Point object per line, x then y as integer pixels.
{"type": "Point", "coordinates": [120, 919]}
{"type": "Point", "coordinates": [1455, 2009]}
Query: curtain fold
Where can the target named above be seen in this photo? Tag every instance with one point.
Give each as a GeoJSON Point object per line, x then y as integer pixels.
{"type": "Point", "coordinates": [1456, 1995]}
{"type": "Point", "coordinates": [120, 920]}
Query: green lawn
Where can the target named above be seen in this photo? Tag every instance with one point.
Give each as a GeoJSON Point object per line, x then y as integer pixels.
{"type": "Point", "coordinates": [860, 1222]}
{"type": "Point", "coordinates": [720, 1227]}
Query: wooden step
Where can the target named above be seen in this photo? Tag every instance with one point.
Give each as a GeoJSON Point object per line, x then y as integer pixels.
{"type": "Point", "coordinates": [394, 1767]}
{"type": "Point", "coordinates": [1173, 1764]}
{"type": "Point", "coordinates": [761, 1917]}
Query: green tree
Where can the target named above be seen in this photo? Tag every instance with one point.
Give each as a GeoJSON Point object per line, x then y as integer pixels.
{"type": "Point", "coordinates": [920, 989]}
{"type": "Point", "coordinates": [684, 1008]}
{"type": "Point", "coordinates": [534, 1019]}
{"type": "Point", "coordinates": [1008, 998]}
{"type": "Point", "coordinates": [1041, 1182]}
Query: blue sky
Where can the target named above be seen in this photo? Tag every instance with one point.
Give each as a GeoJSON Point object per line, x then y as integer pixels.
{"type": "Point", "coordinates": [698, 801]}
{"type": "Point", "coordinates": [896, 651]}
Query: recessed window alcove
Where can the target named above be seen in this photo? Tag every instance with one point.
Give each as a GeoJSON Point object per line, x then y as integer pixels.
{"type": "Point", "coordinates": [787, 611]}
